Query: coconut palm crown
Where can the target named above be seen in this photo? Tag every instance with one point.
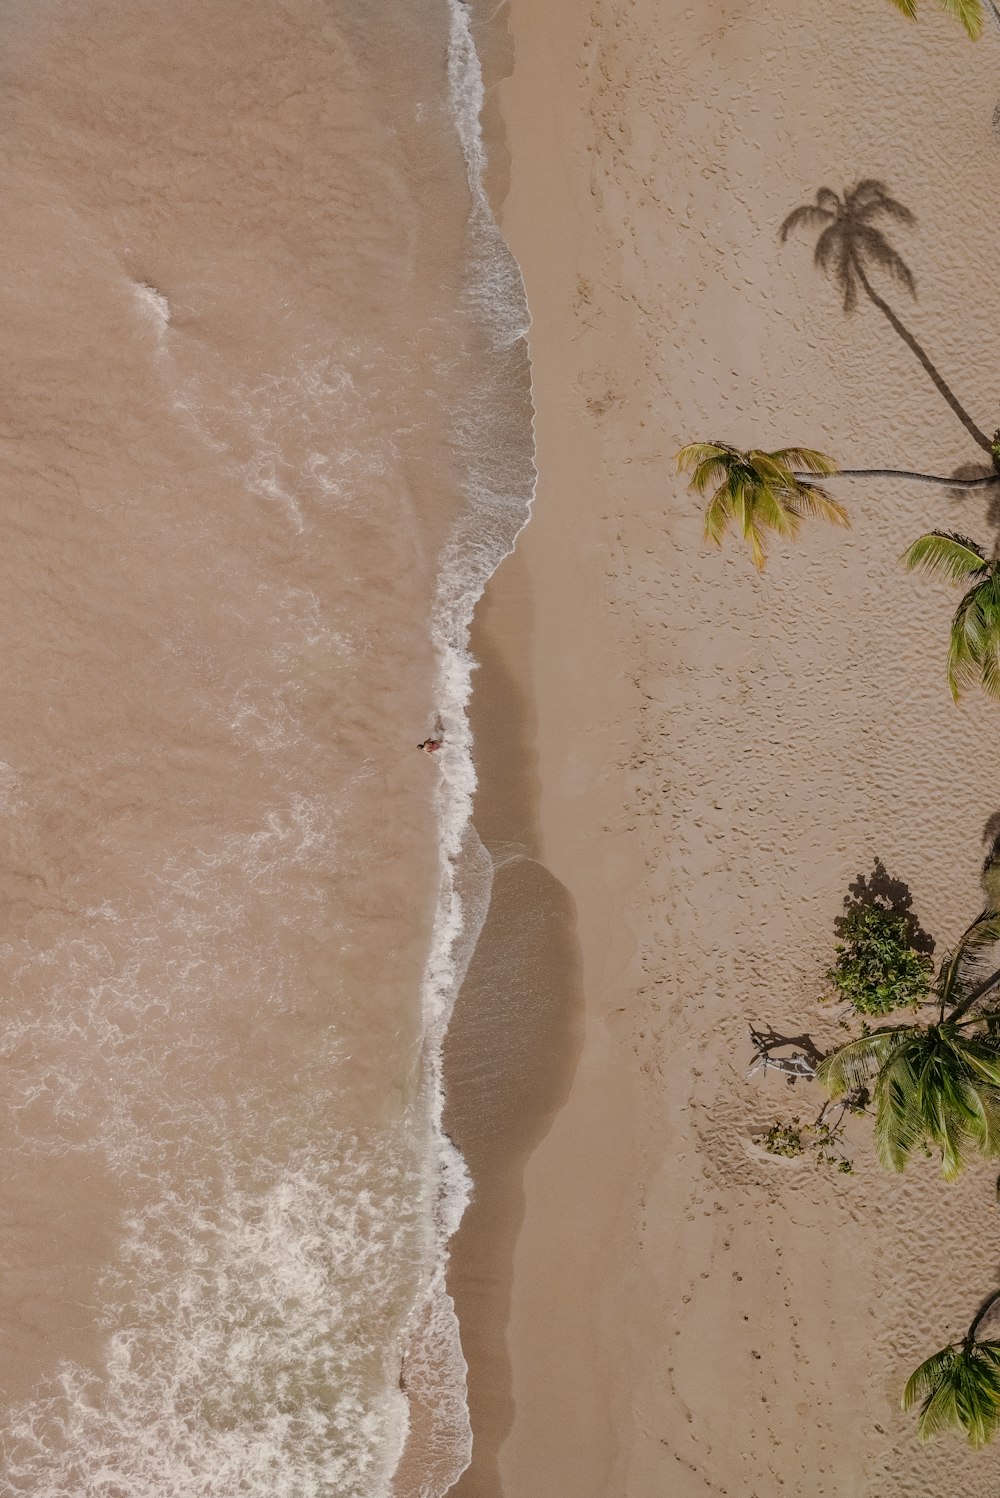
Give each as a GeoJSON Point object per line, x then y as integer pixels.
{"type": "Point", "coordinates": [969, 12]}
{"type": "Point", "coordinates": [974, 647]}
{"type": "Point", "coordinates": [959, 1386]}
{"type": "Point", "coordinates": [935, 1085]}
{"type": "Point", "coordinates": [761, 492]}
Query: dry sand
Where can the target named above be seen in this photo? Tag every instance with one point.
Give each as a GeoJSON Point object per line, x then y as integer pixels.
{"type": "Point", "coordinates": [716, 755]}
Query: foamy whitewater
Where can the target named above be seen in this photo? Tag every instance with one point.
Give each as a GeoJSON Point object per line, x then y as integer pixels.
{"type": "Point", "coordinates": [267, 437]}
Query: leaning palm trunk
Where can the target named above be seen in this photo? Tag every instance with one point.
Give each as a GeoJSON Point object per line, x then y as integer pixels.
{"type": "Point", "coordinates": [910, 476]}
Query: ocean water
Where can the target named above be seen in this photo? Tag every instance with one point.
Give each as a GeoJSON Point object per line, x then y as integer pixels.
{"type": "Point", "coordinates": [265, 434]}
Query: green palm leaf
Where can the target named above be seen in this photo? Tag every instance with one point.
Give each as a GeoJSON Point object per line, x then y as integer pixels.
{"type": "Point", "coordinates": [958, 1387]}
{"type": "Point", "coordinates": [805, 459]}
{"type": "Point", "coordinates": [968, 12]}
{"type": "Point", "coordinates": [933, 1085]}
{"type": "Point", "coordinates": [705, 461]}
{"type": "Point", "coordinates": [761, 493]}
{"type": "Point", "coordinates": [925, 1379]}
{"type": "Point", "coordinates": [946, 554]}
{"type": "Point", "coordinates": [811, 500]}
{"type": "Point", "coordinates": [974, 642]}
{"type": "Point", "coordinates": [858, 1062]}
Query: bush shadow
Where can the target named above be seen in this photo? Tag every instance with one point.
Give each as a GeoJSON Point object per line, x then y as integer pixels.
{"type": "Point", "coordinates": [881, 888]}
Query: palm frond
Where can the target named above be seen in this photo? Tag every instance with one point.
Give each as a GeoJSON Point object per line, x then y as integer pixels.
{"type": "Point", "coordinates": [982, 1105]}
{"type": "Point", "coordinates": [745, 509]}
{"type": "Point", "coordinates": [925, 1379]}
{"type": "Point", "coordinates": [991, 885]}
{"type": "Point", "coordinates": [810, 499]}
{"type": "Point", "coordinates": [900, 1116]}
{"type": "Point", "coordinates": [989, 678]}
{"type": "Point", "coordinates": [945, 554]}
{"type": "Point", "coordinates": [758, 491]}
{"type": "Point", "coordinates": [705, 461]}
{"type": "Point", "coordinates": [974, 641]}
{"type": "Point", "coordinates": [854, 1064]}
{"type": "Point", "coordinates": [806, 459]}
{"type": "Point", "coordinates": [984, 931]}
{"type": "Point", "coordinates": [718, 515]}
{"type": "Point", "coordinates": [961, 1389]}
{"type": "Point", "coordinates": [968, 12]}
{"type": "Point", "coordinates": [770, 509]}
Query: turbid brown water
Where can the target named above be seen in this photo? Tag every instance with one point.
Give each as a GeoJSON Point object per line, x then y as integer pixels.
{"type": "Point", "coordinates": [239, 355]}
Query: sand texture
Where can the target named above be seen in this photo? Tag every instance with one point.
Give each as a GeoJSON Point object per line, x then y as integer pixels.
{"type": "Point", "coordinates": [719, 754]}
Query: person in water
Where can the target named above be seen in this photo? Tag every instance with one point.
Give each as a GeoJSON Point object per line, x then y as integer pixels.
{"type": "Point", "coordinates": [431, 746]}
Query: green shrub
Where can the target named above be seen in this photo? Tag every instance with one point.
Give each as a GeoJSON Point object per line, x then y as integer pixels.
{"type": "Point", "coordinates": [784, 1139]}
{"type": "Point", "coordinates": [877, 968]}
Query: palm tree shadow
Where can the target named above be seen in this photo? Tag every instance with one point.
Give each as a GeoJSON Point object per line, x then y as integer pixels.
{"type": "Point", "coordinates": [851, 245]}
{"type": "Point", "coordinates": [880, 888]}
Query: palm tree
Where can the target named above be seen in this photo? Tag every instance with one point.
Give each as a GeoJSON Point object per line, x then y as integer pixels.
{"type": "Point", "coordinates": [969, 12]}
{"type": "Point", "coordinates": [974, 647]}
{"type": "Point", "coordinates": [766, 492]}
{"type": "Point", "coordinates": [759, 491]}
{"type": "Point", "coordinates": [960, 1385]}
{"type": "Point", "coordinates": [935, 1084]}
{"type": "Point", "coordinates": [849, 244]}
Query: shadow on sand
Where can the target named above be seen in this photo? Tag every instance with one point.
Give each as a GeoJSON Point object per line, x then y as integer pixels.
{"type": "Point", "coordinates": [880, 888]}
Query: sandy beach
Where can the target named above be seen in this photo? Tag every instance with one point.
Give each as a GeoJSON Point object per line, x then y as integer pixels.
{"type": "Point", "coordinates": [692, 762]}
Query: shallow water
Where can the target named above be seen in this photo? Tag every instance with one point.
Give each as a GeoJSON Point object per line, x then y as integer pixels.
{"type": "Point", "coordinates": [264, 436]}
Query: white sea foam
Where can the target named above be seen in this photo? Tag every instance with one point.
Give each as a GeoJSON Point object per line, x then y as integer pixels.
{"type": "Point", "coordinates": [242, 1353]}
{"type": "Point", "coordinates": [499, 479]}
{"type": "Point", "coordinates": [153, 305]}
{"type": "Point", "coordinates": [495, 283]}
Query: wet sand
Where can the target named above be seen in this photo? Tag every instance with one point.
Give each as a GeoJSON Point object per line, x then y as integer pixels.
{"type": "Point", "coordinates": [516, 1030]}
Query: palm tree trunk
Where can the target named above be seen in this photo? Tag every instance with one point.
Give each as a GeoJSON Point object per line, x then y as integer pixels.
{"type": "Point", "coordinates": [901, 473]}
{"type": "Point", "coordinates": [911, 343]}
{"type": "Point", "coordinates": [986, 1306]}
{"type": "Point", "coordinates": [973, 998]}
